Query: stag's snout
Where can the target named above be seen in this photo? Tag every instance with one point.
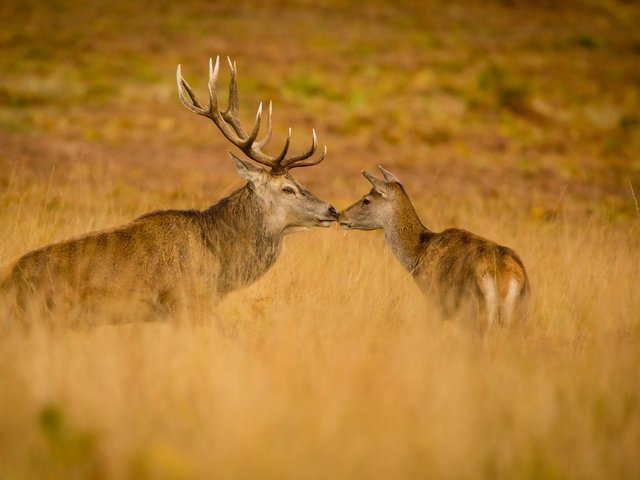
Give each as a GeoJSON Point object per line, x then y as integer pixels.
{"type": "Point", "coordinates": [330, 216]}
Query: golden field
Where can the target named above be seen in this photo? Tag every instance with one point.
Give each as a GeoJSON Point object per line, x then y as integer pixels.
{"type": "Point", "coordinates": [513, 120]}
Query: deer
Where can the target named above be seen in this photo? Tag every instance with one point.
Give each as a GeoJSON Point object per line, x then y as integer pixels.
{"type": "Point", "coordinates": [460, 272]}
{"type": "Point", "coordinates": [162, 258]}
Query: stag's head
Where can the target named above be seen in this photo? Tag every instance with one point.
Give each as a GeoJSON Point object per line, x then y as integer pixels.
{"type": "Point", "coordinates": [378, 207]}
{"type": "Point", "coordinates": [289, 207]}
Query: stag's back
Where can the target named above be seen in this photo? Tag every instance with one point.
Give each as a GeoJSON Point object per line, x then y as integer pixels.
{"type": "Point", "coordinates": [148, 260]}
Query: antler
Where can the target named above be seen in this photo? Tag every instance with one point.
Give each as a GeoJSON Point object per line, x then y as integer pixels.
{"type": "Point", "coordinates": [229, 124]}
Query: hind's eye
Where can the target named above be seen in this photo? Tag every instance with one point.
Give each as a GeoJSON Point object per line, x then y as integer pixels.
{"type": "Point", "coordinates": [287, 190]}
{"type": "Point", "coordinates": [366, 201]}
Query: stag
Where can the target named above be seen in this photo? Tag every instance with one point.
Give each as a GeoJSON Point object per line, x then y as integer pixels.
{"type": "Point", "coordinates": [461, 272]}
{"type": "Point", "coordinates": [162, 259]}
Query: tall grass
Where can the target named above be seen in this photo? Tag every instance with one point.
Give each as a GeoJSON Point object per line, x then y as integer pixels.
{"type": "Point", "coordinates": [334, 366]}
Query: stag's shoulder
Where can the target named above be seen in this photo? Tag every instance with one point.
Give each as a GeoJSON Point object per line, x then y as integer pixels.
{"type": "Point", "coordinates": [151, 229]}
{"type": "Point", "coordinates": [163, 216]}
{"type": "Point", "coordinates": [168, 220]}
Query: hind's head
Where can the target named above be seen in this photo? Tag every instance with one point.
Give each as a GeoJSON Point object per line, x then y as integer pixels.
{"type": "Point", "coordinates": [378, 207]}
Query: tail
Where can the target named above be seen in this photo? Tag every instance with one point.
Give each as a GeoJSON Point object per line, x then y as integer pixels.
{"type": "Point", "coordinates": [504, 301]}
{"type": "Point", "coordinates": [514, 305]}
{"type": "Point", "coordinates": [489, 289]}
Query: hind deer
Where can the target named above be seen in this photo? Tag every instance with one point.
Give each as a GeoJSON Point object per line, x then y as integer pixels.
{"type": "Point", "coordinates": [160, 259]}
{"type": "Point", "coordinates": [455, 268]}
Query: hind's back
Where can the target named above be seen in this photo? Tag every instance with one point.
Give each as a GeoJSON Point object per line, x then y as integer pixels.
{"type": "Point", "coordinates": [458, 268]}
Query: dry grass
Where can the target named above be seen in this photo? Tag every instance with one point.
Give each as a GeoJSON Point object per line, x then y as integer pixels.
{"type": "Point", "coordinates": [333, 366]}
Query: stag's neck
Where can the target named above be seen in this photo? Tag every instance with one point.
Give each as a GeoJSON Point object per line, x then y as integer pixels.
{"type": "Point", "coordinates": [405, 234]}
{"type": "Point", "coordinates": [236, 231]}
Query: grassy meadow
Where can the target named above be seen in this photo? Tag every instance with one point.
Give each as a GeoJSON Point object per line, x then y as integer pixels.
{"type": "Point", "coordinates": [516, 120]}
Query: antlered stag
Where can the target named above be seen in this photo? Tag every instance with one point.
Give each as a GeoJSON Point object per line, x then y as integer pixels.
{"type": "Point", "coordinates": [164, 258]}
{"type": "Point", "coordinates": [462, 272]}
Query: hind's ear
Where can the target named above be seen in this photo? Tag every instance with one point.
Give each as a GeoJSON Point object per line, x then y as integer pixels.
{"type": "Point", "coordinates": [388, 176]}
{"type": "Point", "coordinates": [379, 185]}
{"type": "Point", "coordinates": [248, 170]}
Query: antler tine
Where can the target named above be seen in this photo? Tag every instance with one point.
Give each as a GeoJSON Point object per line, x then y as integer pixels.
{"type": "Point", "coordinates": [297, 160]}
{"type": "Point", "coordinates": [228, 122]}
{"type": "Point", "coordinates": [231, 114]}
{"type": "Point", "coordinates": [267, 135]}
{"type": "Point", "coordinates": [193, 106]}
{"type": "Point", "coordinates": [213, 78]}
{"type": "Point", "coordinates": [249, 141]}
{"type": "Point", "coordinates": [283, 153]}
{"type": "Point", "coordinates": [310, 162]}
{"type": "Point", "coordinates": [234, 103]}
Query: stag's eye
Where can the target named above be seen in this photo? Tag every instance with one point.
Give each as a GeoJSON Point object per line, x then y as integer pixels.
{"type": "Point", "coordinates": [288, 190]}
{"type": "Point", "coordinates": [366, 201]}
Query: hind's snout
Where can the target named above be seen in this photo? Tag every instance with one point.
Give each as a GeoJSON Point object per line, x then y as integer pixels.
{"type": "Point", "coordinates": [343, 221]}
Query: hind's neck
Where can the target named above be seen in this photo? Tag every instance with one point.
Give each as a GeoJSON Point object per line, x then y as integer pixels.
{"type": "Point", "coordinates": [405, 234]}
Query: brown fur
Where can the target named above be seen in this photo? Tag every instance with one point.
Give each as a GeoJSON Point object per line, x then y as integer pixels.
{"type": "Point", "coordinates": [449, 266]}
{"type": "Point", "coordinates": [154, 262]}
{"type": "Point", "coordinates": [165, 257]}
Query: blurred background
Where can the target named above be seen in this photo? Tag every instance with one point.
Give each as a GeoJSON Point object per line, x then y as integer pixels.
{"type": "Point", "coordinates": [537, 101]}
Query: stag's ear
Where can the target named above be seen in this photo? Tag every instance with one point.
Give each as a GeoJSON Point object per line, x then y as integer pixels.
{"type": "Point", "coordinates": [388, 176]}
{"type": "Point", "coordinates": [248, 170]}
{"type": "Point", "coordinates": [379, 185]}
